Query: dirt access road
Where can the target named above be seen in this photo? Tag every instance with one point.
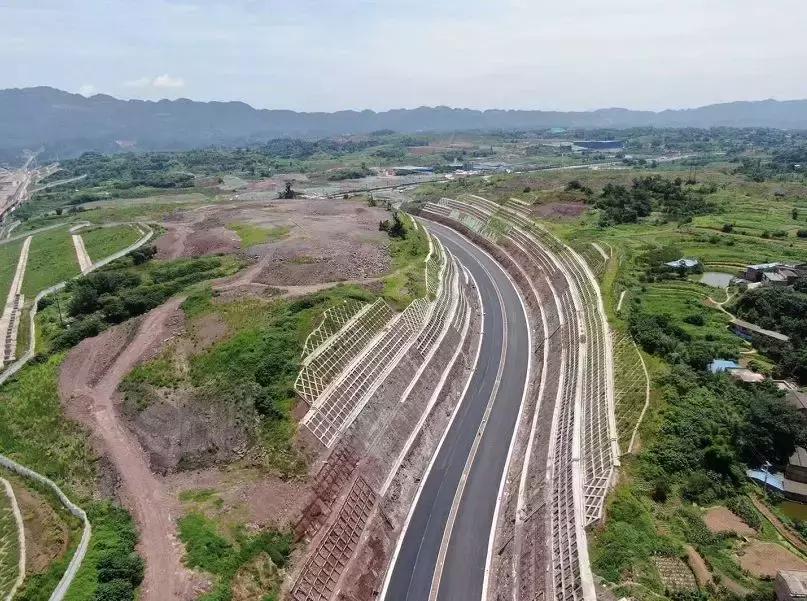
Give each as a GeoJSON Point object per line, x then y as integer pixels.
{"type": "Point", "coordinates": [88, 386]}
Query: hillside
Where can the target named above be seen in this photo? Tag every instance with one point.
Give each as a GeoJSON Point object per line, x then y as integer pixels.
{"type": "Point", "coordinates": [66, 124]}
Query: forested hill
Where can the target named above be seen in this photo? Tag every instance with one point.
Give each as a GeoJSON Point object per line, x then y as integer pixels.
{"type": "Point", "coordinates": [69, 123]}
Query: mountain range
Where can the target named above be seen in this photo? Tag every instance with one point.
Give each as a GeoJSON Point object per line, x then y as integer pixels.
{"type": "Point", "coordinates": [66, 124]}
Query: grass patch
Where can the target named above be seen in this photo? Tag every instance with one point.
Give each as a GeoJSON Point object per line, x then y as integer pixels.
{"type": "Point", "coordinates": [112, 569]}
{"type": "Point", "coordinates": [105, 241]}
{"type": "Point", "coordinates": [227, 557]}
{"type": "Point", "coordinates": [9, 545]}
{"type": "Point", "coordinates": [252, 235]}
{"type": "Point", "coordinates": [199, 495]}
{"type": "Point", "coordinates": [34, 431]}
{"type": "Point", "coordinates": [256, 365]}
{"type": "Point", "coordinates": [52, 259]}
{"type": "Point", "coordinates": [408, 278]}
{"type": "Point", "coordinates": [9, 256]}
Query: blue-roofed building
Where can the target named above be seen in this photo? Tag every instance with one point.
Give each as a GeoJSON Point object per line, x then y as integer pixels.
{"type": "Point", "coordinates": [718, 366]}
{"type": "Point", "coordinates": [768, 479]}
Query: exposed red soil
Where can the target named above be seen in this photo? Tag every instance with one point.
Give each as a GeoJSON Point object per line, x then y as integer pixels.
{"type": "Point", "coordinates": [698, 566]}
{"type": "Point", "coordinates": [87, 385]}
{"type": "Point", "coordinates": [766, 559]}
{"type": "Point", "coordinates": [263, 500]}
{"type": "Point", "coordinates": [721, 519]}
{"type": "Point", "coordinates": [194, 240]}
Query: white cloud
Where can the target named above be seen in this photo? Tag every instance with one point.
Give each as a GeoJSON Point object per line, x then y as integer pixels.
{"type": "Point", "coordinates": [164, 81]}
{"type": "Point", "coordinates": [142, 82]}
{"type": "Point", "coordinates": [87, 89]}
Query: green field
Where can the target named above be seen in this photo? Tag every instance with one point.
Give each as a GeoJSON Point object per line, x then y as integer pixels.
{"type": "Point", "coordinates": [9, 545]}
{"type": "Point", "coordinates": [52, 259]}
{"type": "Point", "coordinates": [252, 235]}
{"type": "Point", "coordinates": [105, 241]}
{"type": "Point", "coordinates": [408, 278]}
{"type": "Point", "coordinates": [9, 255]}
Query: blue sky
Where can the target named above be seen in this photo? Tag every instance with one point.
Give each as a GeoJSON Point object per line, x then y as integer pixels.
{"type": "Point", "coordinates": [381, 54]}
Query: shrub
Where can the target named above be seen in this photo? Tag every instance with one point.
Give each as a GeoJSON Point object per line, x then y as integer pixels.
{"type": "Point", "coordinates": [115, 590]}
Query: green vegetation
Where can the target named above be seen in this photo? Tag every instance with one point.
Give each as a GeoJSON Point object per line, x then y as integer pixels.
{"type": "Point", "coordinates": [9, 256]}
{"type": "Point", "coordinates": [33, 430]}
{"type": "Point", "coordinates": [106, 241]}
{"type": "Point", "coordinates": [408, 279]}
{"type": "Point", "coordinates": [52, 259]}
{"type": "Point", "coordinates": [671, 197]}
{"type": "Point", "coordinates": [9, 545]}
{"type": "Point", "coordinates": [234, 558]}
{"type": "Point", "coordinates": [112, 570]}
{"type": "Point", "coordinates": [349, 173]}
{"type": "Point", "coordinates": [126, 288]}
{"type": "Point", "coordinates": [254, 367]}
{"type": "Point", "coordinates": [252, 235]}
{"type": "Point", "coordinates": [782, 309]}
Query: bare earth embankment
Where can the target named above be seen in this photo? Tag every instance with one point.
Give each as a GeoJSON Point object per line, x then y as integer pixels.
{"type": "Point", "coordinates": [89, 378]}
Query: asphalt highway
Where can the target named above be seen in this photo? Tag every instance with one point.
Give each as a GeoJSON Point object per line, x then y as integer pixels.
{"type": "Point", "coordinates": [466, 476]}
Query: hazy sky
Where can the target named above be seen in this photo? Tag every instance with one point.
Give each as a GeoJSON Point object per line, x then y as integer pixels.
{"type": "Point", "coordinates": [380, 54]}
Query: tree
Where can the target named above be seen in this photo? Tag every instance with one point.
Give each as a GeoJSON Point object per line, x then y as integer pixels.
{"type": "Point", "coordinates": [287, 193]}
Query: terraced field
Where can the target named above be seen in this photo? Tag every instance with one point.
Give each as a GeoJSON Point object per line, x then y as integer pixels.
{"type": "Point", "coordinates": [102, 242]}
{"type": "Point", "coordinates": [9, 254]}
{"type": "Point", "coordinates": [52, 259]}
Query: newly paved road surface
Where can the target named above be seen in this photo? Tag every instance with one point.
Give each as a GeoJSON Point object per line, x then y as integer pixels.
{"type": "Point", "coordinates": [501, 376]}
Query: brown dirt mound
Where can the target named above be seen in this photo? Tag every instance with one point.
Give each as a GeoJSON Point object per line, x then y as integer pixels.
{"type": "Point", "coordinates": [721, 519]}
{"type": "Point", "coordinates": [764, 560]}
{"type": "Point", "coordinates": [195, 240]}
{"type": "Point", "coordinates": [187, 429]}
{"type": "Point", "coordinates": [261, 499]}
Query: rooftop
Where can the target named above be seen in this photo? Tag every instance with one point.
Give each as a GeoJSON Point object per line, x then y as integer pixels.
{"type": "Point", "coordinates": [799, 458]}
{"type": "Point", "coordinates": [720, 365]}
{"type": "Point", "coordinates": [797, 398]}
{"type": "Point", "coordinates": [746, 375]}
{"type": "Point", "coordinates": [683, 263]}
{"type": "Point", "coordinates": [796, 582]}
{"type": "Point", "coordinates": [758, 330]}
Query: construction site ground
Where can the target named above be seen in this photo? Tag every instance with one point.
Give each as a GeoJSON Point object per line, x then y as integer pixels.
{"type": "Point", "coordinates": [323, 242]}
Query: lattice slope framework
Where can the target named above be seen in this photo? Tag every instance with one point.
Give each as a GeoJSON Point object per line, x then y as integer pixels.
{"type": "Point", "coordinates": [343, 372]}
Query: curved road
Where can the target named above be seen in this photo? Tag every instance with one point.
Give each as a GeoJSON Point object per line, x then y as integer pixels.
{"type": "Point", "coordinates": [445, 544]}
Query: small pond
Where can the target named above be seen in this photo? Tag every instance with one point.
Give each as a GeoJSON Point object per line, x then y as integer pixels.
{"type": "Point", "coordinates": [717, 279]}
{"type": "Point", "coordinates": [793, 510]}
